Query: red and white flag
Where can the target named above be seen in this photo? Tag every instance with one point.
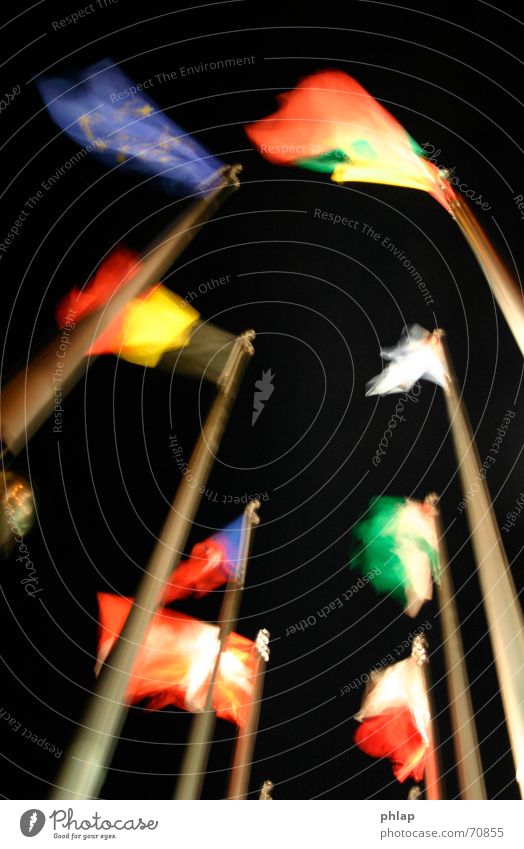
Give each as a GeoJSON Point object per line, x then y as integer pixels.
{"type": "Point", "coordinates": [176, 661]}
{"type": "Point", "coordinates": [395, 719]}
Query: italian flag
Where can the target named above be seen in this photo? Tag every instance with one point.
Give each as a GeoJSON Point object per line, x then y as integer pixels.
{"type": "Point", "coordinates": [395, 718]}
{"type": "Point", "coordinates": [330, 123]}
{"type": "Point", "coordinates": [396, 546]}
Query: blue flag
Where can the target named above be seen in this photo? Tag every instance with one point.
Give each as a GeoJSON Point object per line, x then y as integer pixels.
{"type": "Point", "coordinates": [102, 110]}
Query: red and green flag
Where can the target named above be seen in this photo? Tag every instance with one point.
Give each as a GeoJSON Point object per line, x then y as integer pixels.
{"type": "Point", "coordinates": [330, 123]}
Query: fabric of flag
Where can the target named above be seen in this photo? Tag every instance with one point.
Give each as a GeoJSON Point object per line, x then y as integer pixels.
{"type": "Point", "coordinates": [211, 564]}
{"type": "Point", "coordinates": [102, 110]}
{"type": "Point", "coordinates": [147, 327]}
{"type": "Point", "coordinates": [417, 356]}
{"type": "Point", "coordinates": [395, 718]}
{"type": "Point", "coordinates": [116, 270]}
{"type": "Point", "coordinates": [396, 547]}
{"type": "Point", "coordinates": [330, 123]}
{"type": "Point", "coordinates": [157, 328]}
{"type": "Point", "coordinates": [204, 357]}
{"type": "Point", "coordinates": [176, 661]}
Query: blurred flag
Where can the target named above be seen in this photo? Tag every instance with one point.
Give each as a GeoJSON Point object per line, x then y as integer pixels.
{"type": "Point", "coordinates": [157, 328]}
{"type": "Point", "coordinates": [102, 110]}
{"type": "Point", "coordinates": [397, 548]}
{"type": "Point", "coordinates": [395, 718]}
{"type": "Point", "coordinates": [148, 326]}
{"type": "Point", "coordinates": [176, 660]}
{"type": "Point", "coordinates": [211, 563]}
{"type": "Point", "coordinates": [330, 123]}
{"type": "Point", "coordinates": [116, 270]}
{"type": "Point", "coordinates": [416, 357]}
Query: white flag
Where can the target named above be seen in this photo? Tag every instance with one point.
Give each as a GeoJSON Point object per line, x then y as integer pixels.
{"type": "Point", "coordinates": [417, 356]}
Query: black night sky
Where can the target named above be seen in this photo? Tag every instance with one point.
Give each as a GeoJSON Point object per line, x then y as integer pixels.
{"type": "Point", "coordinates": [322, 298]}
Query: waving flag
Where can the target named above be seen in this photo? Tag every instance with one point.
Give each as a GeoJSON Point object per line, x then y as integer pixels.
{"type": "Point", "coordinates": [212, 563]}
{"type": "Point", "coordinates": [176, 660]}
{"type": "Point", "coordinates": [395, 719]}
{"type": "Point", "coordinates": [116, 270]}
{"type": "Point", "coordinates": [416, 357]}
{"type": "Point", "coordinates": [103, 110]}
{"type": "Point", "coordinates": [330, 123]}
{"type": "Point", "coordinates": [397, 547]}
{"type": "Point", "coordinates": [149, 328]}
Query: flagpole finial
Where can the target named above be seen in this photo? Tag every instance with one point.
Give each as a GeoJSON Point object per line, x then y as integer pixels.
{"type": "Point", "coordinates": [228, 174]}
{"type": "Point", "coordinates": [231, 173]}
{"type": "Point", "coordinates": [251, 511]}
{"type": "Point", "coordinates": [443, 182]}
{"type": "Point", "coordinates": [262, 644]}
{"type": "Point", "coordinates": [419, 650]}
{"type": "Point", "coordinates": [265, 791]}
{"type": "Point", "coordinates": [439, 334]}
{"type": "Point", "coordinates": [432, 500]}
{"type": "Point", "coordinates": [248, 337]}
{"type": "Point", "coordinates": [415, 792]}
{"type": "Point", "coordinates": [242, 346]}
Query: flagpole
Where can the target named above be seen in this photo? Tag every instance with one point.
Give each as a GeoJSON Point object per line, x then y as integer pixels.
{"type": "Point", "coordinates": [83, 772]}
{"type": "Point", "coordinates": [196, 753]}
{"type": "Point", "coordinates": [246, 738]}
{"type": "Point", "coordinates": [432, 768]}
{"type": "Point", "coordinates": [501, 603]}
{"type": "Point", "coordinates": [502, 284]}
{"type": "Point", "coordinates": [30, 397]}
{"type": "Point", "coordinates": [465, 740]}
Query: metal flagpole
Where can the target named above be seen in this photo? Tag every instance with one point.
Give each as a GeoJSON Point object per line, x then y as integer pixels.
{"type": "Point", "coordinates": [245, 743]}
{"type": "Point", "coordinates": [30, 397]}
{"type": "Point", "coordinates": [501, 603]}
{"type": "Point", "coordinates": [88, 757]}
{"type": "Point", "coordinates": [196, 753]}
{"type": "Point", "coordinates": [465, 741]}
{"type": "Point", "coordinates": [503, 286]}
{"type": "Point", "coordinates": [432, 768]}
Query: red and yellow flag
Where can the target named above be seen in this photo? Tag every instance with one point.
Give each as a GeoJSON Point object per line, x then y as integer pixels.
{"type": "Point", "coordinates": [147, 328]}
{"type": "Point", "coordinates": [176, 661]}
